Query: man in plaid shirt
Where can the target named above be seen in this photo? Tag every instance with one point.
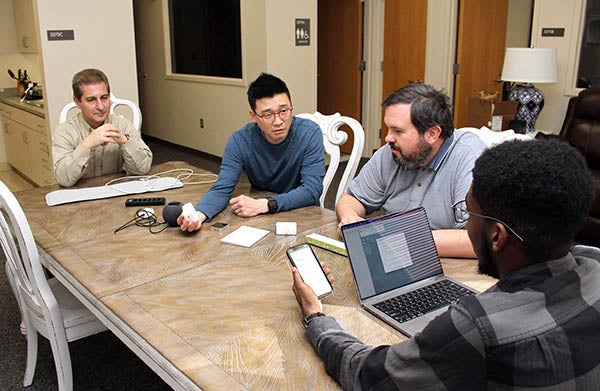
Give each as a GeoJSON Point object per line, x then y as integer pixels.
{"type": "Point", "coordinates": [537, 328]}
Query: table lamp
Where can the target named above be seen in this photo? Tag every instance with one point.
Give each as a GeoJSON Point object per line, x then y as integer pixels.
{"type": "Point", "coordinates": [525, 66]}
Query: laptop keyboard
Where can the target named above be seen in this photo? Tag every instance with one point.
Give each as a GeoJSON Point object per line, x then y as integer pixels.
{"type": "Point", "coordinates": [423, 300]}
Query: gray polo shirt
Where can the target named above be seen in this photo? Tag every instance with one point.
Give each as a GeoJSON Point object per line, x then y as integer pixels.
{"type": "Point", "coordinates": [382, 183]}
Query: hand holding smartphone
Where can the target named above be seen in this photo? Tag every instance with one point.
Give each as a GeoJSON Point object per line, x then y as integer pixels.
{"type": "Point", "coordinates": [303, 258]}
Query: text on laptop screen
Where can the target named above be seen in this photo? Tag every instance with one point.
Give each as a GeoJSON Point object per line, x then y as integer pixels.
{"type": "Point", "coordinates": [391, 251]}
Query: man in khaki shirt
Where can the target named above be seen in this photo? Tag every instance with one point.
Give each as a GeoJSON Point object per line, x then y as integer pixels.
{"type": "Point", "coordinates": [95, 142]}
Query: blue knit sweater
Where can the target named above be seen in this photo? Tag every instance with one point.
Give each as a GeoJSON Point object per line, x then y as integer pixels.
{"type": "Point", "coordinates": [294, 168]}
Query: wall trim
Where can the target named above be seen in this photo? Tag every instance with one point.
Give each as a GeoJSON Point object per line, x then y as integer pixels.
{"type": "Point", "coordinates": [373, 76]}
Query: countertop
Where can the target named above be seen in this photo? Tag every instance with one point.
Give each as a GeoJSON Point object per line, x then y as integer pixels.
{"type": "Point", "coordinates": [9, 97]}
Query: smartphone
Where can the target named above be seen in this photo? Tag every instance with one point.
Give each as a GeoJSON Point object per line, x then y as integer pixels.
{"type": "Point", "coordinates": [218, 226]}
{"type": "Point", "coordinates": [305, 260]}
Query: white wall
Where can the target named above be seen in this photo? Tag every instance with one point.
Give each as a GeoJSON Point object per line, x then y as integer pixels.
{"type": "Point", "coordinates": [565, 14]}
{"type": "Point", "coordinates": [296, 65]}
{"type": "Point", "coordinates": [173, 106]}
{"type": "Point", "coordinates": [104, 39]}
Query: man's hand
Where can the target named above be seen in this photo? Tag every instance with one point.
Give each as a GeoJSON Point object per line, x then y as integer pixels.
{"type": "Point", "coordinates": [305, 296]}
{"type": "Point", "coordinates": [186, 224]}
{"type": "Point", "coordinates": [349, 210]}
{"type": "Point", "coordinates": [245, 206]}
{"type": "Point", "coordinates": [349, 219]}
{"type": "Point", "coordinates": [103, 135]}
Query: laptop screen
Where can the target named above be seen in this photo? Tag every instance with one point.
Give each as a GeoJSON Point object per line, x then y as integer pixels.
{"type": "Point", "coordinates": [391, 251]}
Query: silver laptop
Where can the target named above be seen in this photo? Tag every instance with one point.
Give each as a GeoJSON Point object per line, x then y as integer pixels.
{"type": "Point", "coordinates": [397, 270]}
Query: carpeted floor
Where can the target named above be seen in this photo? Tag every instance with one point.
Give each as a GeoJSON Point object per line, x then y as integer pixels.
{"type": "Point", "coordinates": [100, 362]}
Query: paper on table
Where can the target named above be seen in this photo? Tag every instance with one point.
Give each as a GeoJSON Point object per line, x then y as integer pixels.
{"type": "Point", "coordinates": [245, 236]}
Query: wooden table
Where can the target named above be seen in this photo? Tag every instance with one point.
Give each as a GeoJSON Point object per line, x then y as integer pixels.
{"type": "Point", "coordinates": [201, 314]}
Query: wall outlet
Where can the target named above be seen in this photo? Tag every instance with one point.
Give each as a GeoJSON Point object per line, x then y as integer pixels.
{"type": "Point", "coordinates": [201, 123]}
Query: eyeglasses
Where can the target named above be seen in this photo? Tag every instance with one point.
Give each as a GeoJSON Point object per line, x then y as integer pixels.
{"type": "Point", "coordinates": [461, 214]}
{"type": "Point", "coordinates": [269, 116]}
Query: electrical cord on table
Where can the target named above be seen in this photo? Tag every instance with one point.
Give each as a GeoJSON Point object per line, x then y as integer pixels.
{"type": "Point", "coordinates": [184, 175]}
{"type": "Point", "coordinates": [144, 217]}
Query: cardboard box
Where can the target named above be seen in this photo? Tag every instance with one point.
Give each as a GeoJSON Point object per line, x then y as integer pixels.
{"type": "Point", "coordinates": [480, 112]}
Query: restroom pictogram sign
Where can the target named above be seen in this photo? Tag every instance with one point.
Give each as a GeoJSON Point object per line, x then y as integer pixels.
{"type": "Point", "coordinates": [302, 32]}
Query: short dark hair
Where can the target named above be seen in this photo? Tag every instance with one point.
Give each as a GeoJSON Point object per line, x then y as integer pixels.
{"type": "Point", "coordinates": [88, 76]}
{"type": "Point", "coordinates": [266, 86]}
{"type": "Point", "coordinates": [540, 188]}
{"type": "Point", "coordinates": [430, 107]}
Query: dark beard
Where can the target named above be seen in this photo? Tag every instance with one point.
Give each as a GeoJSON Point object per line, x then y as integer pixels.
{"type": "Point", "coordinates": [486, 263]}
{"type": "Point", "coordinates": [414, 162]}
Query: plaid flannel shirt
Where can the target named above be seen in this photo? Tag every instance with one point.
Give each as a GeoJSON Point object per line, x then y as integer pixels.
{"type": "Point", "coordinates": [538, 328]}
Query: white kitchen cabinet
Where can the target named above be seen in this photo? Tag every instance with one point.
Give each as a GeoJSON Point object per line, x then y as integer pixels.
{"type": "Point", "coordinates": [15, 137]}
{"type": "Point", "coordinates": [39, 152]}
{"type": "Point", "coordinates": [25, 26]}
{"type": "Point", "coordinates": [27, 144]}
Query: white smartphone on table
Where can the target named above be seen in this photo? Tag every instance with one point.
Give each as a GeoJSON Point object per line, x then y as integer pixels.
{"type": "Point", "coordinates": [304, 259]}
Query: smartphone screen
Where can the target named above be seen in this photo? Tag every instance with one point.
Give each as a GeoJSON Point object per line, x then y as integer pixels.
{"type": "Point", "coordinates": [304, 259]}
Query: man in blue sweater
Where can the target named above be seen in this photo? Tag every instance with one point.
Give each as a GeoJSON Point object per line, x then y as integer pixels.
{"type": "Point", "coordinates": [278, 152]}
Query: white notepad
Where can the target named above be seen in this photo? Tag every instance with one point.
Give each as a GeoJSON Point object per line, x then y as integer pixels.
{"type": "Point", "coordinates": [245, 236]}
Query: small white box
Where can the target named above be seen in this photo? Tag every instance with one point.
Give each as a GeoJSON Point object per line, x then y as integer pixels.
{"type": "Point", "coordinates": [285, 228]}
{"type": "Point", "coordinates": [497, 123]}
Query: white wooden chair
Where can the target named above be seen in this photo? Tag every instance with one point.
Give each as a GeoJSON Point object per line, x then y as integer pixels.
{"type": "Point", "coordinates": [115, 102]}
{"type": "Point", "coordinates": [332, 139]}
{"type": "Point", "coordinates": [46, 306]}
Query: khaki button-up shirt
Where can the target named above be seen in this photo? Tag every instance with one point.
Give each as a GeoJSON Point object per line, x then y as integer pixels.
{"type": "Point", "coordinates": [72, 162]}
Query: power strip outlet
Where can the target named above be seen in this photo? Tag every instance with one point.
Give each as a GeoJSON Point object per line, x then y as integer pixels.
{"type": "Point", "coordinates": [150, 201]}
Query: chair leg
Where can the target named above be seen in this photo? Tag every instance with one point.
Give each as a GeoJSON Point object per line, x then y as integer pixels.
{"type": "Point", "coordinates": [32, 349]}
{"type": "Point", "coordinates": [62, 361]}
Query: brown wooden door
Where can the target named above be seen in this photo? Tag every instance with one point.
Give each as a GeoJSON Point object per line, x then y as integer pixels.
{"type": "Point", "coordinates": [480, 51]}
{"type": "Point", "coordinates": [405, 29]}
{"type": "Point", "coordinates": [339, 88]}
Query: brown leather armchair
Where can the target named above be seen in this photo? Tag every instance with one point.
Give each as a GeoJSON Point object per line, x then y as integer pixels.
{"type": "Point", "coordinates": [582, 129]}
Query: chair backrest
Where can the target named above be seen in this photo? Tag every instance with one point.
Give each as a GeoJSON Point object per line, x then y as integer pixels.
{"type": "Point", "coordinates": [581, 126]}
{"type": "Point", "coordinates": [332, 139]}
{"type": "Point", "coordinates": [23, 260]}
{"type": "Point", "coordinates": [136, 114]}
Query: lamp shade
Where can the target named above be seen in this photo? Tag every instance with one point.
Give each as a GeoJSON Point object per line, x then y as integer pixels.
{"type": "Point", "coordinates": [530, 65]}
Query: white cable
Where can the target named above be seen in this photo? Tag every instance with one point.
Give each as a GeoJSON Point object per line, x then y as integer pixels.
{"type": "Point", "coordinates": [214, 176]}
{"type": "Point", "coordinates": [183, 177]}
